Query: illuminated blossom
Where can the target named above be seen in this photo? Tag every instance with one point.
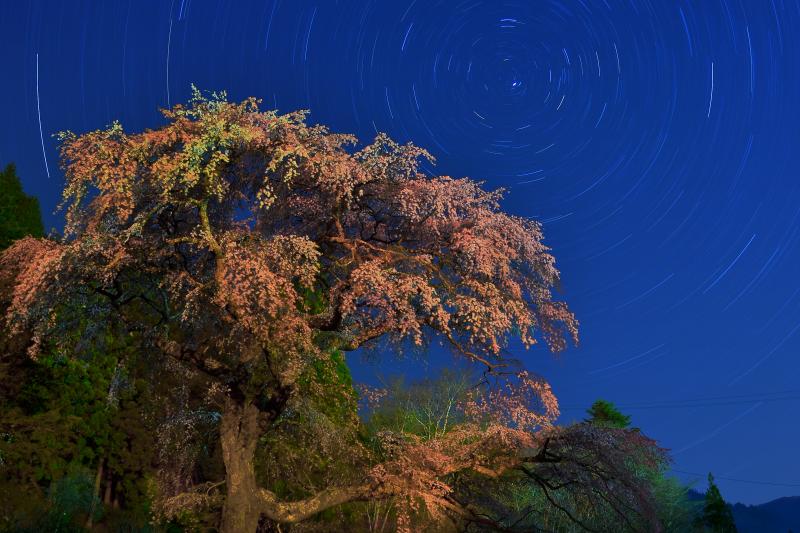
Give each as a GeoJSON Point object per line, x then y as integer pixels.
{"type": "Point", "coordinates": [245, 245]}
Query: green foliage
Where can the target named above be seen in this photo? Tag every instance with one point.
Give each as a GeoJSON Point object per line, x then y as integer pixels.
{"type": "Point", "coordinates": [676, 512]}
{"type": "Point", "coordinates": [304, 452]}
{"type": "Point", "coordinates": [329, 385]}
{"type": "Point", "coordinates": [313, 300]}
{"type": "Point", "coordinates": [19, 213]}
{"type": "Point", "coordinates": [64, 508]}
{"type": "Point", "coordinates": [428, 408]}
{"type": "Point", "coordinates": [605, 413]}
{"type": "Point", "coordinates": [72, 415]}
{"type": "Point", "coordinates": [717, 515]}
{"type": "Point", "coordinates": [59, 419]}
{"type": "Point", "coordinates": [531, 510]}
{"type": "Point", "coordinates": [131, 448]}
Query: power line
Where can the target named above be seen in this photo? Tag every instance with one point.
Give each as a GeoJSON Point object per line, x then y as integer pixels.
{"type": "Point", "coordinates": [752, 481]}
{"type": "Point", "coordinates": [710, 401]}
{"type": "Point", "coordinates": [749, 395]}
{"type": "Point", "coordinates": [685, 405]}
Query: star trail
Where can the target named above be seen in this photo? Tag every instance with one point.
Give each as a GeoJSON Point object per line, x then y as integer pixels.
{"type": "Point", "coordinates": [657, 141]}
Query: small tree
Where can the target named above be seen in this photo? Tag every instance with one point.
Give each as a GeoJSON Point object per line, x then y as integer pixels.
{"type": "Point", "coordinates": [245, 246]}
{"type": "Point", "coordinates": [717, 515]}
{"type": "Point", "coordinates": [19, 213]}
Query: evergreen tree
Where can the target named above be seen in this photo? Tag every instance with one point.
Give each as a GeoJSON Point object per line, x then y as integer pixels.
{"type": "Point", "coordinates": [717, 515]}
{"type": "Point", "coordinates": [19, 213]}
{"type": "Point", "coordinates": [606, 414]}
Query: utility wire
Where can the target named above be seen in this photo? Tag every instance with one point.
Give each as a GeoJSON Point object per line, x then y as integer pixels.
{"type": "Point", "coordinates": [710, 401]}
{"type": "Point", "coordinates": [752, 481]}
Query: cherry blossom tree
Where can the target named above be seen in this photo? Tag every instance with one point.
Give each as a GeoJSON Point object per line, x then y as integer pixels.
{"type": "Point", "coordinates": [245, 245]}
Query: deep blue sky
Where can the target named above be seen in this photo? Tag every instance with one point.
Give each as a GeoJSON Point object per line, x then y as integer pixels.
{"type": "Point", "coordinates": [658, 141]}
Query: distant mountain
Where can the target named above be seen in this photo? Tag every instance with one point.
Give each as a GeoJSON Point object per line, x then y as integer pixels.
{"type": "Point", "coordinates": [778, 516]}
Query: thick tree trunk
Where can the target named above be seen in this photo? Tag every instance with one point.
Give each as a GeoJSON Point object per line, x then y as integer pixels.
{"type": "Point", "coordinates": [239, 435]}
{"type": "Point", "coordinates": [245, 502]}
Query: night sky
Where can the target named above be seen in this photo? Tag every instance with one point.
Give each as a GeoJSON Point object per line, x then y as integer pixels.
{"type": "Point", "coordinates": [657, 141]}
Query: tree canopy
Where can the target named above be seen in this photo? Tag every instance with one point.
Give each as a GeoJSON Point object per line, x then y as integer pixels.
{"type": "Point", "coordinates": [240, 254]}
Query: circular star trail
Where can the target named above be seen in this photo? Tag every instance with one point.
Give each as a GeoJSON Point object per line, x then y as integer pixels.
{"type": "Point", "coordinates": [657, 142]}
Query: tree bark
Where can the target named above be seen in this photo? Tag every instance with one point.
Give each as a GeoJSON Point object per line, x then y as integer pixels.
{"type": "Point", "coordinates": [239, 437]}
{"type": "Point", "coordinates": [245, 501]}
{"type": "Point", "coordinates": [300, 510]}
